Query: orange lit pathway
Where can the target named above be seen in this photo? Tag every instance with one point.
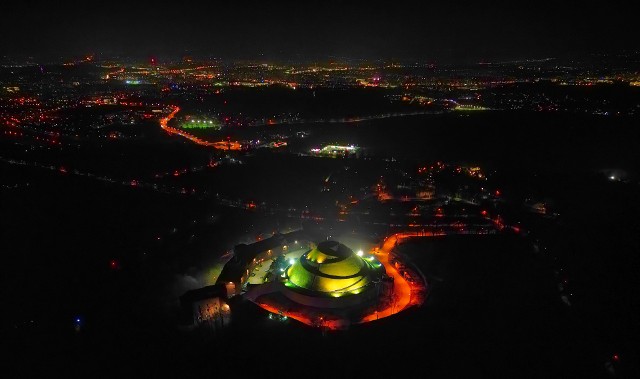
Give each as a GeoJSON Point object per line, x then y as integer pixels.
{"type": "Point", "coordinates": [401, 288]}
{"type": "Point", "coordinates": [222, 145]}
{"type": "Point", "coordinates": [292, 315]}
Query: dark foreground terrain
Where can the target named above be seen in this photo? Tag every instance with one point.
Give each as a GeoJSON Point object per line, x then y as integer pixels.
{"type": "Point", "coordinates": [116, 257]}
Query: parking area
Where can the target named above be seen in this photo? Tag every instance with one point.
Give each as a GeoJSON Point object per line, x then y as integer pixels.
{"type": "Point", "coordinates": [260, 270]}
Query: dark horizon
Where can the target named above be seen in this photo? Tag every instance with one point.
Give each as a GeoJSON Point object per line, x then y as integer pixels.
{"type": "Point", "coordinates": [449, 33]}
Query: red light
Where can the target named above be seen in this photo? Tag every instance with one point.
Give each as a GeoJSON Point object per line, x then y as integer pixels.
{"type": "Point", "coordinates": [484, 213]}
{"type": "Point", "coordinates": [616, 357]}
{"type": "Point", "coordinates": [113, 264]}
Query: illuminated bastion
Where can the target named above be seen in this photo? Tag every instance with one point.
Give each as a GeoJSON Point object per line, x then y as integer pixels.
{"type": "Point", "coordinates": [333, 276]}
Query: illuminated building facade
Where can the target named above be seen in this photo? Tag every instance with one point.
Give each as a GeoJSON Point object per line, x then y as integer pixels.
{"type": "Point", "coordinates": [206, 306]}
{"type": "Point", "coordinates": [332, 276]}
{"type": "Point", "coordinates": [337, 151]}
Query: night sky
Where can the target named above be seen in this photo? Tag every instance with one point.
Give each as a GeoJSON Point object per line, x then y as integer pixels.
{"type": "Point", "coordinates": [446, 31]}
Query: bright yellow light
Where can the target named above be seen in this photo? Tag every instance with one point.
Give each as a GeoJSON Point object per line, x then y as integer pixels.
{"type": "Point", "coordinates": [329, 274]}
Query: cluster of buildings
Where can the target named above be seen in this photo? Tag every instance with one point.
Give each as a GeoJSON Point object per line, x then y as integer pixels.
{"type": "Point", "coordinates": [290, 275]}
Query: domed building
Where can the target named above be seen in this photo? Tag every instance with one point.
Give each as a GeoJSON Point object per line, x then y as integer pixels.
{"type": "Point", "coordinates": [332, 276]}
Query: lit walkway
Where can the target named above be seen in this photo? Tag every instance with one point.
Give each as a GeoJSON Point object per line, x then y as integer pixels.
{"type": "Point", "coordinates": [401, 288]}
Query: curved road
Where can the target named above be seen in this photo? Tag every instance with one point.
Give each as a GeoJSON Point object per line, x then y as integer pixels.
{"type": "Point", "coordinates": [222, 145]}
{"type": "Point", "coordinates": [401, 288]}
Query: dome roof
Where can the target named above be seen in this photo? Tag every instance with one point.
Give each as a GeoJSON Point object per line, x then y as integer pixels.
{"type": "Point", "coordinates": [332, 269]}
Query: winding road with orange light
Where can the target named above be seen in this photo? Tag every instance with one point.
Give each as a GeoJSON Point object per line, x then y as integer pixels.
{"type": "Point", "coordinates": [222, 145]}
{"type": "Point", "coordinates": [401, 288]}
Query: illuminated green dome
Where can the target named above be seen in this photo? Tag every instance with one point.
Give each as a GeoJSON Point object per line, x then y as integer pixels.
{"type": "Point", "coordinates": [333, 269]}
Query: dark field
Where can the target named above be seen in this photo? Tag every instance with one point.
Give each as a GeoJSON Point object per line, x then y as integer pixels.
{"type": "Point", "coordinates": [494, 309]}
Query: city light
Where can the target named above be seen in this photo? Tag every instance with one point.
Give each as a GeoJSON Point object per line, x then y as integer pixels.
{"type": "Point", "coordinates": [471, 168]}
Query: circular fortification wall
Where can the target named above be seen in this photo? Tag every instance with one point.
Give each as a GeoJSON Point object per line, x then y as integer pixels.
{"type": "Point", "coordinates": [332, 276]}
